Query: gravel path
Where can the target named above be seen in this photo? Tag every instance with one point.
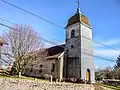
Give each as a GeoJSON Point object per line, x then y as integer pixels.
{"type": "Point", "coordinates": [22, 84]}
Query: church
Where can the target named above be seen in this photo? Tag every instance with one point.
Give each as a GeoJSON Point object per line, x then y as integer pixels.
{"type": "Point", "coordinates": [74, 59]}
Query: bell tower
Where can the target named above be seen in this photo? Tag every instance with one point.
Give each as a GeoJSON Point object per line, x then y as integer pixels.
{"type": "Point", "coordinates": [79, 51]}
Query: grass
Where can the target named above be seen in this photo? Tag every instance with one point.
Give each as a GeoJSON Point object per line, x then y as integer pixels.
{"type": "Point", "coordinates": [21, 77]}
{"type": "Point", "coordinates": [111, 87]}
{"type": "Point", "coordinates": [97, 87]}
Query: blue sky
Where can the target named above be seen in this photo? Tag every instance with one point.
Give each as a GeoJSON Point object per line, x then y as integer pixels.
{"type": "Point", "coordinates": [103, 16]}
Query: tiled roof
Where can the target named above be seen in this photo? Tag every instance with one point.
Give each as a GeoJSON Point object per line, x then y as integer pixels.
{"type": "Point", "coordinates": [78, 17]}
{"type": "Point", "coordinates": [49, 53]}
{"type": "Point", "coordinates": [55, 50]}
{"type": "Point", "coordinates": [53, 56]}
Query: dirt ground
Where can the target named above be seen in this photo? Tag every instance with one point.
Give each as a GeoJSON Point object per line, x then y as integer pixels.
{"type": "Point", "coordinates": [22, 84]}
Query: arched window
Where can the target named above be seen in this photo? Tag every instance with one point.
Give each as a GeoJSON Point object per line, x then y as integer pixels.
{"type": "Point", "coordinates": [40, 70]}
{"type": "Point", "coordinates": [72, 33]}
{"type": "Point", "coordinates": [41, 65]}
{"type": "Point", "coordinates": [53, 67]}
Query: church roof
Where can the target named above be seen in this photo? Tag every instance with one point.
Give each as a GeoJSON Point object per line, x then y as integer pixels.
{"type": "Point", "coordinates": [49, 53]}
{"type": "Point", "coordinates": [78, 17]}
{"type": "Point", "coordinates": [45, 54]}
{"type": "Point", "coordinates": [55, 50]}
{"type": "Point", "coordinates": [53, 56]}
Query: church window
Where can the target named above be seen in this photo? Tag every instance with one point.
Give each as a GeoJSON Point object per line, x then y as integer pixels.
{"type": "Point", "coordinates": [1, 44]}
{"type": "Point", "coordinates": [53, 67]}
{"type": "Point", "coordinates": [31, 70]}
{"type": "Point", "coordinates": [72, 46]}
{"type": "Point", "coordinates": [40, 70]}
{"type": "Point", "coordinates": [72, 33]}
{"type": "Point", "coordinates": [41, 65]}
{"type": "Point", "coordinates": [0, 55]}
{"type": "Point", "coordinates": [32, 65]}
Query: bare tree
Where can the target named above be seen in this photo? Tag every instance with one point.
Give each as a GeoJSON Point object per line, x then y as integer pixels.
{"type": "Point", "coordinates": [22, 40]}
{"type": "Point", "coordinates": [108, 73]}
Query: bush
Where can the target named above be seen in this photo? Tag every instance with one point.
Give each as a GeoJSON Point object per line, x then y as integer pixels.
{"type": "Point", "coordinates": [112, 83]}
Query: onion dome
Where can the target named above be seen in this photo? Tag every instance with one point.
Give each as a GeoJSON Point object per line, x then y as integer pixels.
{"type": "Point", "coordinates": [78, 17]}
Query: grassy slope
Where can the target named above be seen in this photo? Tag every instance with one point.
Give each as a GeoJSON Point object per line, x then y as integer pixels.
{"type": "Point", "coordinates": [97, 87]}
{"type": "Point", "coordinates": [112, 87]}
{"type": "Point", "coordinates": [22, 77]}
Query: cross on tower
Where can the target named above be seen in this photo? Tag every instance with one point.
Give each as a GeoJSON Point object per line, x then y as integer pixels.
{"type": "Point", "coordinates": [78, 2]}
{"type": "Point", "coordinates": [78, 6]}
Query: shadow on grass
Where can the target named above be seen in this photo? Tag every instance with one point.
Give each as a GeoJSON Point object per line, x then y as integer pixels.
{"type": "Point", "coordinates": [111, 87]}
{"type": "Point", "coordinates": [21, 77]}
{"type": "Point", "coordinates": [97, 87]}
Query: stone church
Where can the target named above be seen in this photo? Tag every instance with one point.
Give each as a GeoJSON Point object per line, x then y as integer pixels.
{"type": "Point", "coordinates": [74, 59]}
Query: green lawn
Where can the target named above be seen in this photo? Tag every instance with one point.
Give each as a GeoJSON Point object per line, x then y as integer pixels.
{"type": "Point", "coordinates": [97, 87]}
{"type": "Point", "coordinates": [22, 77]}
{"type": "Point", "coordinates": [112, 87]}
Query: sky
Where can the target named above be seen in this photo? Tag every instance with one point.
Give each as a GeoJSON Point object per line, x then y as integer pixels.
{"type": "Point", "coordinates": [104, 17]}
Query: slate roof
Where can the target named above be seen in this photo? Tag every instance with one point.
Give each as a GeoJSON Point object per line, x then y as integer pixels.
{"type": "Point", "coordinates": [49, 53]}
{"type": "Point", "coordinates": [53, 56]}
{"type": "Point", "coordinates": [55, 50]}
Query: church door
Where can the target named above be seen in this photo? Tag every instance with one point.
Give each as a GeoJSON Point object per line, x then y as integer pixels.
{"type": "Point", "coordinates": [88, 75]}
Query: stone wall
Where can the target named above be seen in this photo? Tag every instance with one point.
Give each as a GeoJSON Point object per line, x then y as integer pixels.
{"type": "Point", "coordinates": [87, 62]}
{"type": "Point", "coordinates": [47, 68]}
{"type": "Point", "coordinates": [44, 67]}
{"type": "Point", "coordinates": [79, 52]}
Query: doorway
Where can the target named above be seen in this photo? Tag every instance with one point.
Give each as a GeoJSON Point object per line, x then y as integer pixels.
{"type": "Point", "coordinates": [88, 75]}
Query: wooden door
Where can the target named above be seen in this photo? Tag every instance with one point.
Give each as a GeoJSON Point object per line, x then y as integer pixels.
{"type": "Point", "coordinates": [88, 75]}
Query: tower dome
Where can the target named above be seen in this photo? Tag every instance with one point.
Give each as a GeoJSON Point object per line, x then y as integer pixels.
{"type": "Point", "coordinates": [78, 17]}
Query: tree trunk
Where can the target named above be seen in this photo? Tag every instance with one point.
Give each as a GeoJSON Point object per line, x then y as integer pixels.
{"type": "Point", "coordinates": [19, 74]}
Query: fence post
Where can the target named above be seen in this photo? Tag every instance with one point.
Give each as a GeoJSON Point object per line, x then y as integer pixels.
{"type": "Point", "coordinates": [51, 78]}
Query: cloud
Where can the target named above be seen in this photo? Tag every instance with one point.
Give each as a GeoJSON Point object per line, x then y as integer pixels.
{"type": "Point", "coordinates": [110, 42]}
{"type": "Point", "coordinates": [108, 53]}
{"type": "Point", "coordinates": [104, 51]}
{"type": "Point", "coordinates": [96, 67]}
